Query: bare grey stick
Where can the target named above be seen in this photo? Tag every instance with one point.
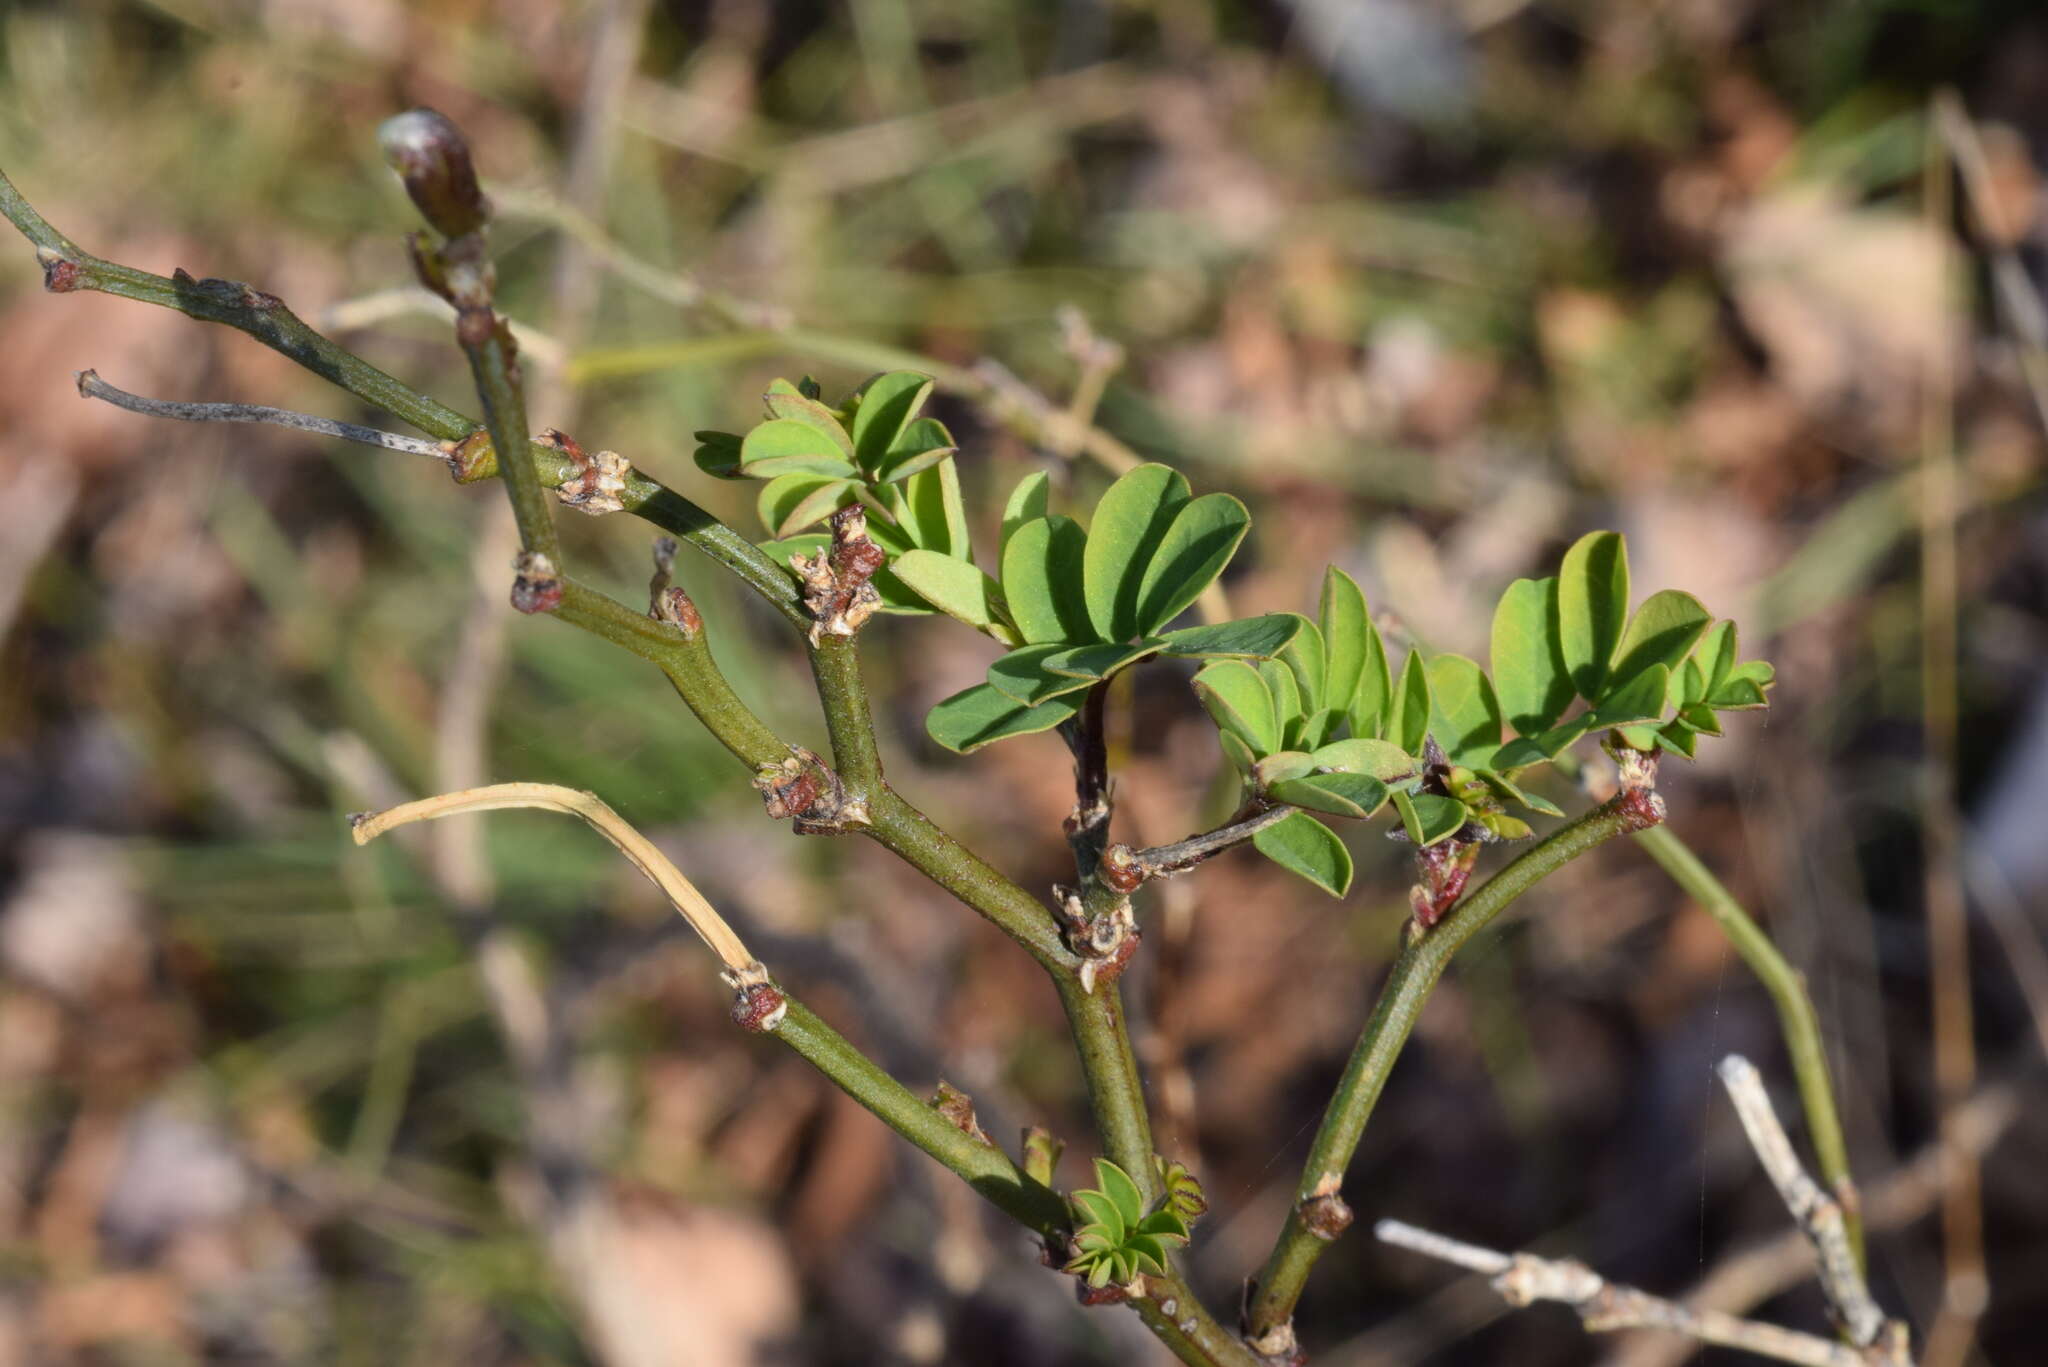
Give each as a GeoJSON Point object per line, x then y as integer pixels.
{"type": "Point", "coordinates": [1817, 1213]}
{"type": "Point", "coordinates": [1522, 1278]}
{"type": "Point", "coordinates": [92, 386]}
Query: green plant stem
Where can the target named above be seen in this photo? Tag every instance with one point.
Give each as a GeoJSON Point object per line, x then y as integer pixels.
{"type": "Point", "coordinates": [1415, 974]}
{"type": "Point", "coordinates": [496, 372]}
{"type": "Point", "coordinates": [689, 665]}
{"type": "Point", "coordinates": [1796, 1016]}
{"type": "Point", "coordinates": [1115, 1094]}
{"type": "Point", "coordinates": [909, 834]}
{"type": "Point", "coordinates": [985, 1167]}
{"type": "Point", "coordinates": [1188, 1330]}
{"type": "Point", "coordinates": [835, 667]}
{"type": "Point", "coordinates": [67, 267]}
{"type": "Point", "coordinates": [1106, 1055]}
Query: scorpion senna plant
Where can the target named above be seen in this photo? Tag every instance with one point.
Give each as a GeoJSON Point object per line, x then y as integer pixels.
{"type": "Point", "coordinates": [862, 503]}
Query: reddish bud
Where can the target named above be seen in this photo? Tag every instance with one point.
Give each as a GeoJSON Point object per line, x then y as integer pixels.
{"type": "Point", "coordinates": [760, 1008]}
{"type": "Point", "coordinates": [536, 587]}
{"type": "Point", "coordinates": [1640, 808]}
{"type": "Point", "coordinates": [1120, 870]}
{"type": "Point", "coordinates": [60, 274]}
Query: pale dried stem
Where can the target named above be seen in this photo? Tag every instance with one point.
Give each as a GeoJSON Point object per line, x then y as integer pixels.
{"type": "Point", "coordinates": [1772, 1268]}
{"type": "Point", "coordinates": [91, 386]}
{"type": "Point", "coordinates": [1818, 1214]}
{"type": "Point", "coordinates": [741, 967]}
{"type": "Point", "coordinates": [1603, 1306]}
{"type": "Point", "coordinates": [1522, 1278]}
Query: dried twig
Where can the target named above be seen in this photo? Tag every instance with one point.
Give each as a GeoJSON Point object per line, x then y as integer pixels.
{"type": "Point", "coordinates": [1819, 1214]}
{"type": "Point", "coordinates": [1523, 1278]}
{"type": "Point", "coordinates": [91, 386]}
{"type": "Point", "coordinates": [742, 969]}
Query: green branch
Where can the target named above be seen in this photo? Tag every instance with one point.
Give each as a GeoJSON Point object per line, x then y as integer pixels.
{"type": "Point", "coordinates": [683, 655]}
{"type": "Point", "coordinates": [1415, 973]}
{"type": "Point", "coordinates": [983, 1166]}
{"type": "Point", "coordinates": [1796, 1016]}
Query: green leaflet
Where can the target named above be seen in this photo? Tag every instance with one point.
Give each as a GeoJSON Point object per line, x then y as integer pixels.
{"type": "Point", "coordinates": [1199, 542]}
{"type": "Point", "coordinates": [933, 513]}
{"type": "Point", "coordinates": [1351, 795]}
{"type": "Point", "coordinates": [1286, 700]}
{"type": "Point", "coordinates": [1239, 701]}
{"type": "Point", "coordinates": [1639, 700]}
{"type": "Point", "coordinates": [1027, 502]}
{"type": "Point", "coordinates": [1247, 637]}
{"type": "Point", "coordinates": [1345, 624]}
{"type": "Point", "coordinates": [1022, 675]}
{"type": "Point", "coordinates": [1306, 847]}
{"type": "Point", "coordinates": [1507, 790]}
{"type": "Point", "coordinates": [885, 408]}
{"type": "Point", "coordinates": [1042, 569]}
{"type": "Point", "coordinates": [1429, 818]}
{"type": "Point", "coordinates": [1281, 766]}
{"type": "Point", "coordinates": [1381, 759]}
{"type": "Point", "coordinates": [1305, 657]}
{"type": "Point", "coordinates": [924, 443]}
{"type": "Point", "coordinates": [1663, 631]}
{"type": "Point", "coordinates": [1093, 662]}
{"type": "Point", "coordinates": [1408, 726]}
{"type": "Point", "coordinates": [1128, 526]}
{"type": "Point", "coordinates": [1464, 716]}
{"type": "Point", "coordinates": [957, 589]}
{"type": "Point", "coordinates": [718, 454]}
{"type": "Point", "coordinates": [784, 446]}
{"type": "Point", "coordinates": [1592, 604]}
{"type": "Point", "coordinates": [785, 400]}
{"type": "Point", "coordinates": [1529, 671]}
{"type": "Point", "coordinates": [789, 503]}
{"type": "Point", "coordinates": [978, 716]}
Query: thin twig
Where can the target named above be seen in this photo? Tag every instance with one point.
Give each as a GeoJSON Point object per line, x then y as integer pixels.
{"type": "Point", "coordinates": [1163, 861]}
{"type": "Point", "coordinates": [1523, 1278]}
{"type": "Point", "coordinates": [91, 386]}
{"type": "Point", "coordinates": [1898, 1198]}
{"type": "Point", "coordinates": [1818, 1214]}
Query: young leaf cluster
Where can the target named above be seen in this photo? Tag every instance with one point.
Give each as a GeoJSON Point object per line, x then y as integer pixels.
{"type": "Point", "coordinates": [1310, 713]}
{"type": "Point", "coordinates": [1078, 604]}
{"type": "Point", "coordinates": [1115, 1237]}
{"type": "Point", "coordinates": [1327, 727]}
{"type": "Point", "coordinates": [875, 448]}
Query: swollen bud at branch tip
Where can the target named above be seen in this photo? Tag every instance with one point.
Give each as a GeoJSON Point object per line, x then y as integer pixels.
{"type": "Point", "coordinates": [431, 157]}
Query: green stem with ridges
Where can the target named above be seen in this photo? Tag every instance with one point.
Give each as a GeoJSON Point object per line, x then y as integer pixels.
{"type": "Point", "coordinates": [835, 667]}
{"type": "Point", "coordinates": [1416, 971]}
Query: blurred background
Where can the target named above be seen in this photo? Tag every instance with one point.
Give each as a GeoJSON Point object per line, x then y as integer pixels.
{"type": "Point", "coordinates": [1434, 286]}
